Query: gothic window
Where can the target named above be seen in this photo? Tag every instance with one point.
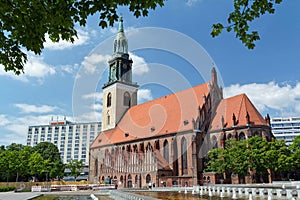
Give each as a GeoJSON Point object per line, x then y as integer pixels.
{"type": "Point", "coordinates": [183, 154]}
{"type": "Point", "coordinates": [256, 134]}
{"type": "Point", "coordinates": [136, 179]}
{"type": "Point", "coordinates": [166, 151]}
{"type": "Point", "coordinates": [214, 142]}
{"type": "Point", "coordinates": [242, 136]}
{"type": "Point", "coordinates": [148, 178]}
{"type": "Point", "coordinates": [126, 99]}
{"type": "Point", "coordinates": [96, 167]}
{"type": "Point", "coordinates": [108, 100]}
{"type": "Point", "coordinates": [108, 119]}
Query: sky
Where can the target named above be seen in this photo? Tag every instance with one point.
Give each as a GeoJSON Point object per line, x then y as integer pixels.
{"type": "Point", "coordinates": [172, 50]}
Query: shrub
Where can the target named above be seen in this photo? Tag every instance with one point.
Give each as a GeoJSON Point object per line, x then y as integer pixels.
{"type": "Point", "coordinates": [6, 188]}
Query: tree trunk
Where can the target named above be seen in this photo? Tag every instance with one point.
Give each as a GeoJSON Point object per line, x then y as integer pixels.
{"type": "Point", "coordinates": [270, 175]}
{"type": "Point", "coordinates": [17, 178]}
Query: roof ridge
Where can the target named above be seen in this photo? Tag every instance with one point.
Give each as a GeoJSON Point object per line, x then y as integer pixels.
{"type": "Point", "coordinates": [171, 94]}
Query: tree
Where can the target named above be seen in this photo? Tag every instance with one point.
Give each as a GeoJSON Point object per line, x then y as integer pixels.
{"type": "Point", "coordinates": [5, 171]}
{"type": "Point", "coordinates": [18, 162]}
{"type": "Point", "coordinates": [24, 24]}
{"type": "Point", "coordinates": [15, 147]}
{"type": "Point", "coordinates": [217, 161]}
{"type": "Point", "coordinates": [295, 149]}
{"type": "Point", "coordinates": [278, 158]}
{"type": "Point", "coordinates": [238, 157]}
{"type": "Point", "coordinates": [75, 166]}
{"type": "Point", "coordinates": [37, 165]}
{"type": "Point", "coordinates": [245, 11]}
{"type": "Point", "coordinates": [255, 155]}
{"type": "Point", "coordinates": [50, 152]}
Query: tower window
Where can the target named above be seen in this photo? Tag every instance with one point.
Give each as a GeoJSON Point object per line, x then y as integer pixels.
{"type": "Point", "coordinates": [126, 99]}
{"type": "Point", "coordinates": [108, 100]}
{"type": "Point", "coordinates": [108, 120]}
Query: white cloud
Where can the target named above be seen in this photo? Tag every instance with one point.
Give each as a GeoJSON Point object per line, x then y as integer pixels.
{"type": "Point", "coordinates": [97, 106]}
{"type": "Point", "coordinates": [83, 37]}
{"type": "Point", "coordinates": [11, 75]}
{"type": "Point", "coordinates": [69, 69]}
{"type": "Point", "coordinates": [34, 68]}
{"type": "Point", "coordinates": [17, 127]}
{"type": "Point", "coordinates": [97, 96]}
{"type": "Point", "coordinates": [108, 31]}
{"type": "Point", "coordinates": [140, 66]}
{"type": "Point", "coordinates": [144, 95]}
{"type": "Point", "coordinates": [3, 120]}
{"type": "Point", "coordinates": [92, 116]}
{"type": "Point", "coordinates": [192, 2]}
{"type": "Point", "coordinates": [91, 62]}
{"type": "Point", "coordinates": [283, 99]}
{"type": "Point", "coordinates": [27, 108]}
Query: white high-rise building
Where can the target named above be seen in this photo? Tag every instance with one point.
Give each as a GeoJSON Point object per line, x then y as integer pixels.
{"type": "Point", "coordinates": [286, 128]}
{"type": "Point", "coordinates": [72, 139]}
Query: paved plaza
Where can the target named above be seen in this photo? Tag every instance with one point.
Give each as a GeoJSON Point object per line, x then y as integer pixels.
{"type": "Point", "coordinates": [18, 196]}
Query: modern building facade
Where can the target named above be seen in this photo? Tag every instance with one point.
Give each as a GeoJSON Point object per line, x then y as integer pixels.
{"type": "Point", "coordinates": [72, 139]}
{"type": "Point", "coordinates": [286, 128]}
{"type": "Point", "coordinates": [164, 142]}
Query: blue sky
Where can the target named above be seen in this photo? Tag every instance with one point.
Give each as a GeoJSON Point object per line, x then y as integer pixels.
{"type": "Point", "coordinates": [53, 83]}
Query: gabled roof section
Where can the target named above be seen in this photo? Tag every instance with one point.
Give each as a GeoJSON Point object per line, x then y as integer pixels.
{"type": "Point", "coordinates": [238, 106]}
{"type": "Point", "coordinates": [169, 114]}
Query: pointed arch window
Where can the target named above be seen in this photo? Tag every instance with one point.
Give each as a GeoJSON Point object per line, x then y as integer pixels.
{"type": "Point", "coordinates": [108, 119]}
{"type": "Point", "coordinates": [214, 142]}
{"type": "Point", "coordinates": [183, 155]}
{"type": "Point", "coordinates": [166, 151]}
{"type": "Point", "coordinates": [96, 167]}
{"type": "Point", "coordinates": [126, 99]}
{"type": "Point", "coordinates": [148, 178]}
{"type": "Point", "coordinates": [242, 136]}
{"type": "Point", "coordinates": [108, 100]}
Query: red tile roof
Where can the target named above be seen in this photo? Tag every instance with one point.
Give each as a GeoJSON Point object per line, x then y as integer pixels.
{"type": "Point", "coordinates": [239, 106]}
{"type": "Point", "coordinates": [157, 117]}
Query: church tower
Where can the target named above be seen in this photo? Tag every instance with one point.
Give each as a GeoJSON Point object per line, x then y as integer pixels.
{"type": "Point", "coordinates": [119, 93]}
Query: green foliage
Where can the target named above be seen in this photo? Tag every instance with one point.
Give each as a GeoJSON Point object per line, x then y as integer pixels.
{"type": "Point", "coordinates": [245, 11]}
{"type": "Point", "coordinates": [50, 152]}
{"type": "Point", "coordinates": [5, 170]}
{"type": "Point", "coordinates": [76, 166]}
{"type": "Point", "coordinates": [295, 149]}
{"type": "Point", "coordinates": [25, 24]}
{"type": "Point", "coordinates": [217, 161]}
{"type": "Point", "coordinates": [238, 157]}
{"type": "Point", "coordinates": [255, 154]}
{"type": "Point", "coordinates": [6, 188]}
{"type": "Point", "coordinates": [47, 151]}
{"type": "Point", "coordinates": [14, 147]}
{"type": "Point", "coordinates": [18, 161]}
{"type": "Point", "coordinates": [36, 164]}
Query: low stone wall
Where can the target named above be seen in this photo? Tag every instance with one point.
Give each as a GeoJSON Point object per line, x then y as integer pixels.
{"type": "Point", "coordinates": [28, 185]}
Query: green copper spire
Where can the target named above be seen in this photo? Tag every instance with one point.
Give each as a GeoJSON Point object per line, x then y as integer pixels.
{"type": "Point", "coordinates": [120, 42]}
{"type": "Point", "coordinates": [121, 29]}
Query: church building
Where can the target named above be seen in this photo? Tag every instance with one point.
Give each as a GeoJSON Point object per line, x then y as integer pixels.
{"type": "Point", "coordinates": [164, 142]}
